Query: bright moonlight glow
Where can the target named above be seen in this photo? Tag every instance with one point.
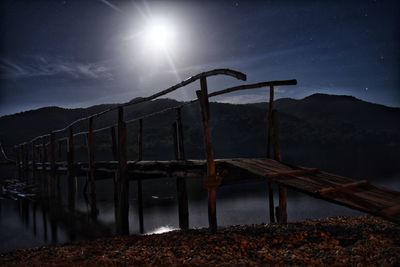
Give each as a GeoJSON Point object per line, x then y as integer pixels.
{"type": "Point", "coordinates": [159, 35]}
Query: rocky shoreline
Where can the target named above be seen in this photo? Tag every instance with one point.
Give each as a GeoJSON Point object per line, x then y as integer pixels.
{"type": "Point", "coordinates": [339, 241]}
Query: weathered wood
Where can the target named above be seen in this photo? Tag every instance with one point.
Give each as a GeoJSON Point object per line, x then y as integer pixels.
{"type": "Point", "coordinates": [71, 168]}
{"type": "Point", "coordinates": [253, 86]}
{"type": "Point", "coordinates": [123, 182]}
{"type": "Point", "coordinates": [341, 188]}
{"type": "Point", "coordinates": [92, 179]}
{"type": "Point", "coordinates": [139, 180]}
{"type": "Point", "coordinates": [175, 140]}
{"type": "Point", "coordinates": [282, 204]}
{"type": "Point", "coordinates": [270, 120]}
{"type": "Point", "coordinates": [211, 181]}
{"type": "Point", "coordinates": [277, 175]}
{"type": "Point", "coordinates": [52, 178]}
{"type": "Point", "coordinates": [271, 203]}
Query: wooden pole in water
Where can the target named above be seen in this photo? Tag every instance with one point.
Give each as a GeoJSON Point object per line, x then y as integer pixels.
{"type": "Point", "coordinates": [92, 181]}
{"type": "Point", "coordinates": [269, 138]}
{"type": "Point", "coordinates": [183, 209]}
{"type": "Point", "coordinates": [71, 168]}
{"type": "Point", "coordinates": [139, 180]}
{"type": "Point", "coordinates": [123, 183]}
{"type": "Point", "coordinates": [211, 181]}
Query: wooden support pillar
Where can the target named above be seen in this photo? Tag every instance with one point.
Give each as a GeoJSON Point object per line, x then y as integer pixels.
{"type": "Point", "coordinates": [114, 151]}
{"type": "Point", "coordinates": [92, 181]}
{"type": "Point", "coordinates": [211, 181]}
{"type": "Point", "coordinates": [282, 204]}
{"type": "Point", "coordinates": [139, 180]}
{"type": "Point", "coordinates": [183, 209]}
{"type": "Point", "coordinates": [71, 168]}
{"type": "Point", "coordinates": [123, 182]}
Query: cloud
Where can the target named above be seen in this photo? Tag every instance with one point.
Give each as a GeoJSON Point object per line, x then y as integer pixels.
{"type": "Point", "coordinates": [39, 66]}
{"type": "Point", "coordinates": [111, 5]}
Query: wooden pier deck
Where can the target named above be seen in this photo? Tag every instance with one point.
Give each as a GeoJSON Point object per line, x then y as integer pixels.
{"type": "Point", "coordinates": [39, 154]}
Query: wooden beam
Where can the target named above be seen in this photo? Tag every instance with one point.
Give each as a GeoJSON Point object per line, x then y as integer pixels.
{"type": "Point", "coordinates": [211, 181]}
{"type": "Point", "coordinates": [33, 151]}
{"type": "Point", "coordinates": [180, 139]}
{"type": "Point", "coordinates": [275, 136]}
{"type": "Point", "coordinates": [44, 151]}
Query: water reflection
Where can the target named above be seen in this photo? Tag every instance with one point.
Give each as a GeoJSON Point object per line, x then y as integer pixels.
{"type": "Point", "coordinates": [55, 217]}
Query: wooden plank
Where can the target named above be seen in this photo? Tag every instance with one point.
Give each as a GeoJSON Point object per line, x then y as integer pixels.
{"type": "Point", "coordinates": [330, 190]}
{"type": "Point", "coordinates": [293, 173]}
{"type": "Point", "coordinates": [114, 148]}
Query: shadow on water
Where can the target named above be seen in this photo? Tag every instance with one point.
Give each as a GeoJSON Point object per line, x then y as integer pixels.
{"type": "Point", "coordinates": [52, 218]}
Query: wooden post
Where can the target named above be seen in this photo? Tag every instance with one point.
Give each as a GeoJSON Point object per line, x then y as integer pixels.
{"type": "Point", "coordinates": [183, 209]}
{"type": "Point", "coordinates": [71, 168]}
{"type": "Point", "coordinates": [139, 180]}
{"type": "Point", "coordinates": [92, 181]}
{"type": "Point", "coordinates": [282, 204]}
{"type": "Point", "coordinates": [114, 150]}
{"type": "Point", "coordinates": [211, 181]}
{"type": "Point", "coordinates": [275, 136]}
{"type": "Point", "coordinates": [123, 182]}
{"type": "Point", "coordinates": [270, 128]}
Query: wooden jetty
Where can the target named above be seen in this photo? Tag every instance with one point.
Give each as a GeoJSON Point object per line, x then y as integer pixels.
{"type": "Point", "coordinates": [39, 154]}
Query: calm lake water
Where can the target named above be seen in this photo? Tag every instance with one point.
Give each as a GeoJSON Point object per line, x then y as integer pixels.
{"type": "Point", "coordinates": [25, 224]}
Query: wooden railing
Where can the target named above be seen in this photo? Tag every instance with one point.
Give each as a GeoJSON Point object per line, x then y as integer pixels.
{"type": "Point", "coordinates": [38, 145]}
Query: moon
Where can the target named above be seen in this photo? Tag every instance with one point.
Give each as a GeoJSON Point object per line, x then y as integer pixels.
{"type": "Point", "coordinates": [160, 35]}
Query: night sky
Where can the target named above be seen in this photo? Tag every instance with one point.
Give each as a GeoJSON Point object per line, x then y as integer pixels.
{"type": "Point", "coordinates": [80, 53]}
